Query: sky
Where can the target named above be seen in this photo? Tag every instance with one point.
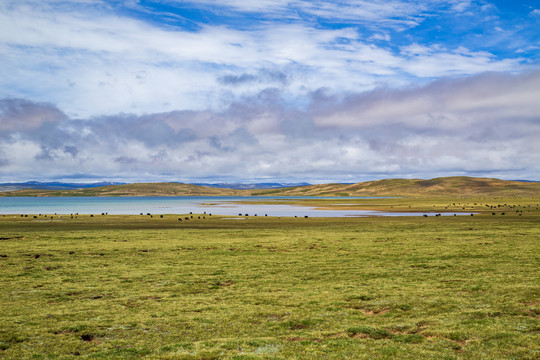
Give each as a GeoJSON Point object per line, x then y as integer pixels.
{"type": "Point", "coordinates": [268, 90]}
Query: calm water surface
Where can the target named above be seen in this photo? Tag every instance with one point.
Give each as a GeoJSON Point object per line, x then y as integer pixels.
{"type": "Point", "coordinates": [219, 205]}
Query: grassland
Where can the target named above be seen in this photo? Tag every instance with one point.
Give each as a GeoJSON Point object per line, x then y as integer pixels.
{"type": "Point", "coordinates": [129, 287]}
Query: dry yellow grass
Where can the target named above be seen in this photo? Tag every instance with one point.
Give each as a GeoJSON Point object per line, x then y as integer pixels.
{"type": "Point", "coordinates": [447, 186]}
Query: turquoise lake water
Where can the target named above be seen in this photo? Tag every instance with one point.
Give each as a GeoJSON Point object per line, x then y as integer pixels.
{"type": "Point", "coordinates": [218, 205]}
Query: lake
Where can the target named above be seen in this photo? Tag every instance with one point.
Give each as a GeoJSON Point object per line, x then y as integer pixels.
{"type": "Point", "coordinates": [218, 205]}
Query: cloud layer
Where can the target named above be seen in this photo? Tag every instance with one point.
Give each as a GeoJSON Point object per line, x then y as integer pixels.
{"type": "Point", "coordinates": [102, 58]}
{"type": "Point", "coordinates": [268, 89]}
{"type": "Point", "coordinates": [486, 124]}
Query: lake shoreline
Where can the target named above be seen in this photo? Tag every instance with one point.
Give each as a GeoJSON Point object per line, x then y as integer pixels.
{"type": "Point", "coordinates": [229, 206]}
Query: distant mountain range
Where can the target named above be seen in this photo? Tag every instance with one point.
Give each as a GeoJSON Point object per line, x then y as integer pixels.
{"type": "Point", "coordinates": [53, 185]}
{"type": "Point", "coordinates": [446, 186]}
{"type": "Point", "coordinates": [37, 185]}
{"type": "Point", "coordinates": [249, 186]}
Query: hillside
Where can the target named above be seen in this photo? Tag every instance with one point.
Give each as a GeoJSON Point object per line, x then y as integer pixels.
{"type": "Point", "coordinates": [445, 186]}
{"type": "Point", "coordinates": [13, 186]}
{"type": "Point", "coordinates": [461, 186]}
{"type": "Point", "coordinates": [141, 189]}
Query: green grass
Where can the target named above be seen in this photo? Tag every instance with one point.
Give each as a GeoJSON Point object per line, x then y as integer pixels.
{"type": "Point", "coordinates": [130, 287]}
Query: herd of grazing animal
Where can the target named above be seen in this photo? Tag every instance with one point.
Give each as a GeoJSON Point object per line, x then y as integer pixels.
{"type": "Point", "coordinates": [477, 207]}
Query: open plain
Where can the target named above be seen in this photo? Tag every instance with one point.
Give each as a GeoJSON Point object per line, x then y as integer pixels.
{"type": "Point", "coordinates": [120, 287]}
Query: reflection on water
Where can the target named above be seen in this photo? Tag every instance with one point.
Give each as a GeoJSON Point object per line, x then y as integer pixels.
{"type": "Point", "coordinates": [176, 205]}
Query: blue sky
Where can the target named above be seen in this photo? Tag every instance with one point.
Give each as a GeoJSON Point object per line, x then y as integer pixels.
{"type": "Point", "coordinates": [245, 90]}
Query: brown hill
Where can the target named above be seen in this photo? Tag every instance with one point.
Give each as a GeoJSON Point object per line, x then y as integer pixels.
{"type": "Point", "coordinates": [444, 186]}
{"type": "Point", "coordinates": [463, 186]}
{"type": "Point", "coordinates": [140, 189]}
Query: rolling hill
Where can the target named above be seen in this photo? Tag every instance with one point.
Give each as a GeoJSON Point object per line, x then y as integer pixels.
{"type": "Point", "coordinates": [444, 186]}
{"type": "Point", "coordinates": [140, 189]}
{"type": "Point", "coordinates": [51, 185]}
{"type": "Point", "coordinates": [460, 185]}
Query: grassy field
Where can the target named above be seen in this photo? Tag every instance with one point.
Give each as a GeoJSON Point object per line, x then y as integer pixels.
{"type": "Point", "coordinates": [129, 287]}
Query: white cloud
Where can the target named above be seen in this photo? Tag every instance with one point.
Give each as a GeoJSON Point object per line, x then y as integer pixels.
{"type": "Point", "coordinates": [460, 5]}
{"type": "Point", "coordinates": [455, 102]}
{"type": "Point", "coordinates": [435, 61]}
{"type": "Point", "coordinates": [486, 124]}
{"type": "Point", "coordinates": [383, 37]}
{"type": "Point", "coordinates": [90, 60]}
{"type": "Point", "coordinates": [235, 101]}
{"type": "Point", "coordinates": [388, 12]}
